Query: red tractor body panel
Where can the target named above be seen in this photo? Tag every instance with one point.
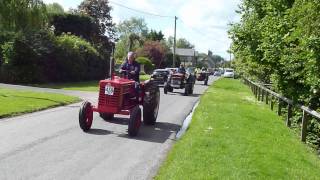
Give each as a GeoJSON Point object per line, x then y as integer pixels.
{"type": "Point", "coordinates": [112, 93]}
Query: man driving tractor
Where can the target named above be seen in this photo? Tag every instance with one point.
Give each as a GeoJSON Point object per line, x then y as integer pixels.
{"type": "Point", "coordinates": [181, 69]}
{"type": "Point", "coordinates": [130, 67]}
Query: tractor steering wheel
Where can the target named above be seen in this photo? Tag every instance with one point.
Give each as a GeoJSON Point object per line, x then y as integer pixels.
{"type": "Point", "coordinates": [124, 73]}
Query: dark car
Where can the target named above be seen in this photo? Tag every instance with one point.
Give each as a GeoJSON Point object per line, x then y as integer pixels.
{"type": "Point", "coordinates": [160, 76]}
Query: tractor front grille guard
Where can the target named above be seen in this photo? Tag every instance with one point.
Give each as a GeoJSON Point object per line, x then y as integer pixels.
{"type": "Point", "coordinates": [112, 101]}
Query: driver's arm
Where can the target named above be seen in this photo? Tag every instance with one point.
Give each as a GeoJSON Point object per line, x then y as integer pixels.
{"type": "Point", "coordinates": [123, 67]}
{"type": "Point", "coordinates": [136, 69]}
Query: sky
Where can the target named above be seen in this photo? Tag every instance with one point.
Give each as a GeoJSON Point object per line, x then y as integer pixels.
{"type": "Point", "coordinates": [204, 23]}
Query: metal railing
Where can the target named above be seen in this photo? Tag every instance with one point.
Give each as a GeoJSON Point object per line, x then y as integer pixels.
{"type": "Point", "coordinates": [264, 94]}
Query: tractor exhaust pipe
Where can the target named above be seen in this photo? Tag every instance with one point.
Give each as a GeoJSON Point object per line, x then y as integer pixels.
{"type": "Point", "coordinates": [111, 64]}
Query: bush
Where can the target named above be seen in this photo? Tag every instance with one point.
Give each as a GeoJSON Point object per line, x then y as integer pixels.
{"type": "Point", "coordinates": [148, 66]}
{"type": "Point", "coordinates": [42, 57]}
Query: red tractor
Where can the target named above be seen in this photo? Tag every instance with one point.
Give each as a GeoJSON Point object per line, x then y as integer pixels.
{"type": "Point", "coordinates": [118, 95]}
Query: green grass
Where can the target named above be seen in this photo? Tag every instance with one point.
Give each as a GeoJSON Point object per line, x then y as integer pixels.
{"type": "Point", "coordinates": [81, 86]}
{"type": "Point", "coordinates": [144, 77]}
{"type": "Point", "coordinates": [232, 136]}
{"type": "Point", "coordinates": [15, 102]}
{"type": "Point", "coordinates": [77, 86]}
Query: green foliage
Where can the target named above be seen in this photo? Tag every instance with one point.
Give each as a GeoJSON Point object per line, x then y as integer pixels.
{"type": "Point", "coordinates": [7, 52]}
{"type": "Point", "coordinates": [76, 24]}
{"type": "Point", "coordinates": [131, 34]}
{"type": "Point", "coordinates": [233, 136]}
{"type": "Point", "coordinates": [146, 62]}
{"type": "Point", "coordinates": [278, 41]}
{"type": "Point", "coordinates": [180, 43]}
{"type": "Point", "coordinates": [132, 26]}
{"type": "Point", "coordinates": [42, 57]}
{"type": "Point", "coordinates": [54, 8]}
{"type": "Point", "coordinates": [99, 10]}
{"type": "Point", "coordinates": [184, 43]}
{"type": "Point", "coordinates": [155, 36]}
{"type": "Point", "coordinates": [16, 102]}
{"type": "Point", "coordinates": [22, 15]}
{"type": "Point", "coordinates": [80, 59]}
{"type": "Point", "coordinates": [155, 51]}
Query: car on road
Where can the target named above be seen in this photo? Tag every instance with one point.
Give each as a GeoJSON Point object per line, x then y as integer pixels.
{"type": "Point", "coordinates": [217, 73]}
{"type": "Point", "coordinates": [160, 76]}
{"type": "Point", "coordinates": [228, 73]}
{"type": "Point", "coordinates": [172, 70]}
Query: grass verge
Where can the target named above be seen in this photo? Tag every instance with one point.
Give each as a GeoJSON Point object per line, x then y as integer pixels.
{"type": "Point", "coordinates": [16, 102]}
{"type": "Point", "coordinates": [81, 86]}
{"type": "Point", "coordinates": [233, 136]}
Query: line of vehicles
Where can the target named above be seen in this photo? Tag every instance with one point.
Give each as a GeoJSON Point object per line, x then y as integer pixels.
{"type": "Point", "coordinates": [120, 95]}
{"type": "Point", "coordinates": [171, 79]}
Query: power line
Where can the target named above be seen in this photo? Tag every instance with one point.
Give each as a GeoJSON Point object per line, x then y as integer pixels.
{"type": "Point", "coordinates": [139, 11]}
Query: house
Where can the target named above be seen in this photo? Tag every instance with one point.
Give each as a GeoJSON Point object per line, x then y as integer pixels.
{"type": "Point", "coordinates": [188, 57]}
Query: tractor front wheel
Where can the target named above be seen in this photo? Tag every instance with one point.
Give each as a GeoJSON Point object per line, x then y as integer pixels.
{"type": "Point", "coordinates": [134, 121]}
{"type": "Point", "coordinates": [151, 105]}
{"type": "Point", "coordinates": [85, 116]}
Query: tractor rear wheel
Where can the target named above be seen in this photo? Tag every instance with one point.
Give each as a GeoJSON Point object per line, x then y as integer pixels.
{"type": "Point", "coordinates": [85, 116]}
{"type": "Point", "coordinates": [151, 103]}
{"type": "Point", "coordinates": [134, 121]}
{"type": "Point", "coordinates": [106, 116]}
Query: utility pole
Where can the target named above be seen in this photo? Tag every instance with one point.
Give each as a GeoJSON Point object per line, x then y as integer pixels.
{"type": "Point", "coordinates": [174, 41]}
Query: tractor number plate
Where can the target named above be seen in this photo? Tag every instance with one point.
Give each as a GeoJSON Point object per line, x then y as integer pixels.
{"type": "Point", "coordinates": [109, 90]}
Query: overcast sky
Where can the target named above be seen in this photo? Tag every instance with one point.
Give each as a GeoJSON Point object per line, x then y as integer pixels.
{"type": "Point", "coordinates": [202, 22]}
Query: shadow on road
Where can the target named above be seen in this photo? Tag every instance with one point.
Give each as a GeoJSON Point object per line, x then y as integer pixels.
{"type": "Point", "coordinates": [158, 133]}
{"type": "Point", "coordinates": [182, 94]}
{"type": "Point", "coordinates": [99, 132]}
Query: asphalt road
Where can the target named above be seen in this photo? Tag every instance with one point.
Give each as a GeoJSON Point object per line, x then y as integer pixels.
{"type": "Point", "coordinates": [50, 144]}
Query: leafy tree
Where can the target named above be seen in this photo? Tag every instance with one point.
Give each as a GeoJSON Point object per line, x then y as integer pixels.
{"type": "Point", "coordinates": [180, 43]}
{"type": "Point", "coordinates": [99, 10]}
{"type": "Point", "coordinates": [54, 8]}
{"type": "Point", "coordinates": [278, 41]}
{"type": "Point", "coordinates": [155, 36]}
{"type": "Point", "coordinates": [131, 33]}
{"type": "Point", "coordinates": [133, 25]}
{"type": "Point", "coordinates": [77, 24]}
{"type": "Point", "coordinates": [22, 15]}
{"type": "Point", "coordinates": [184, 43]}
{"type": "Point", "coordinates": [154, 50]}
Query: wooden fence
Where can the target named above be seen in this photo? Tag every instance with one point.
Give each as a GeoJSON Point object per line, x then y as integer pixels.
{"type": "Point", "coordinates": [264, 94]}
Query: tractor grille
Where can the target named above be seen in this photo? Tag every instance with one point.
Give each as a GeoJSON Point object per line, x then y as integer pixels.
{"type": "Point", "coordinates": [106, 100]}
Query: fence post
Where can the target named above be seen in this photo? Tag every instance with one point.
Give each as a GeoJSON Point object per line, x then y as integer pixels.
{"type": "Point", "coordinates": [259, 92]}
{"type": "Point", "coordinates": [304, 126]}
{"type": "Point", "coordinates": [271, 103]}
{"type": "Point", "coordinates": [279, 107]}
{"type": "Point", "coordinates": [267, 97]}
{"type": "Point", "coordinates": [262, 94]}
{"type": "Point", "coordinates": [289, 115]}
